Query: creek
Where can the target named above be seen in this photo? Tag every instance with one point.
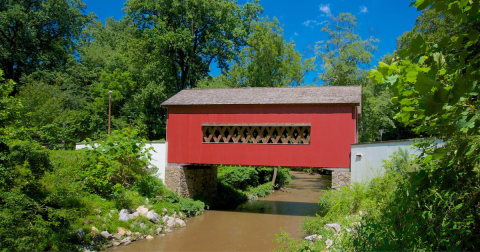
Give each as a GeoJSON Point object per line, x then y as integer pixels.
{"type": "Point", "coordinates": [250, 227]}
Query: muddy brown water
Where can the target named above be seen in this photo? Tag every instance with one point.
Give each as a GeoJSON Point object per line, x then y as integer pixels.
{"type": "Point", "coordinates": [250, 227]}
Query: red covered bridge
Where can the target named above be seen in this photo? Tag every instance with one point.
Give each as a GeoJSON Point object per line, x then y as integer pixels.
{"type": "Point", "coordinates": [288, 126]}
{"type": "Point", "coordinates": [295, 126]}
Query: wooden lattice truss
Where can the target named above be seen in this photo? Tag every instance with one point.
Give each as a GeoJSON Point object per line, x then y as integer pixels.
{"type": "Point", "coordinates": [256, 134]}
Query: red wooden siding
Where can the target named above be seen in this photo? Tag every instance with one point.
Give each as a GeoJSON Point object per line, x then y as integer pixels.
{"type": "Point", "coordinates": [333, 129]}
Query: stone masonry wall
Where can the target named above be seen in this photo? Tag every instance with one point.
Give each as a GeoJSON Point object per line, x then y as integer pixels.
{"type": "Point", "coordinates": [341, 178]}
{"type": "Point", "coordinates": [190, 181]}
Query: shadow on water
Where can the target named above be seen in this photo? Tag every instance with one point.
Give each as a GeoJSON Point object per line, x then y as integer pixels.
{"type": "Point", "coordinates": [279, 207]}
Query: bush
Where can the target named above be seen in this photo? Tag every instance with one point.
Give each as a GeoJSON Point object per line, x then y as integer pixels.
{"type": "Point", "coordinates": [260, 191]}
{"type": "Point", "coordinates": [149, 185]}
{"type": "Point", "coordinates": [191, 207]}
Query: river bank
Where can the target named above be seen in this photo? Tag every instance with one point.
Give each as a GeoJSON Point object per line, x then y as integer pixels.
{"type": "Point", "coordinates": [251, 226]}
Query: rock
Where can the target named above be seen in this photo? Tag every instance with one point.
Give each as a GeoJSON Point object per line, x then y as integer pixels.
{"type": "Point", "coordinates": [142, 210]}
{"type": "Point", "coordinates": [174, 215]}
{"type": "Point", "coordinates": [121, 231]}
{"type": "Point", "coordinates": [108, 245]}
{"type": "Point", "coordinates": [131, 216]}
{"type": "Point", "coordinates": [335, 226]}
{"type": "Point", "coordinates": [170, 222]}
{"type": "Point", "coordinates": [117, 236]}
{"type": "Point", "coordinates": [126, 239]}
{"type": "Point", "coordinates": [143, 225]}
{"type": "Point", "coordinates": [106, 235]}
{"type": "Point", "coordinates": [153, 217]}
{"type": "Point", "coordinates": [93, 230]}
{"type": "Point", "coordinates": [128, 232]}
{"type": "Point", "coordinates": [161, 235]}
{"type": "Point", "coordinates": [124, 215]}
{"type": "Point", "coordinates": [158, 231]}
{"type": "Point", "coordinates": [165, 210]}
{"type": "Point", "coordinates": [318, 238]}
{"type": "Point", "coordinates": [349, 230]}
{"type": "Point", "coordinates": [149, 237]}
{"type": "Point", "coordinates": [310, 238]}
{"type": "Point", "coordinates": [165, 218]}
{"type": "Point", "coordinates": [127, 243]}
{"type": "Point", "coordinates": [80, 233]}
{"type": "Point", "coordinates": [168, 230]}
{"type": "Point", "coordinates": [181, 223]}
{"type": "Point", "coordinates": [181, 216]}
{"type": "Point", "coordinates": [115, 243]}
{"type": "Point", "coordinates": [328, 243]}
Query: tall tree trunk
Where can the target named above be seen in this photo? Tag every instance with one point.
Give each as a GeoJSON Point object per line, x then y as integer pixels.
{"type": "Point", "coordinates": [274, 176]}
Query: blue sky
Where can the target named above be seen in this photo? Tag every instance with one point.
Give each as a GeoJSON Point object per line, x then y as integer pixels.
{"type": "Point", "coordinates": [302, 20]}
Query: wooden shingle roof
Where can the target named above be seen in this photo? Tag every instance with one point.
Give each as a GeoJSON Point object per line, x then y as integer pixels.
{"type": "Point", "coordinates": [268, 95]}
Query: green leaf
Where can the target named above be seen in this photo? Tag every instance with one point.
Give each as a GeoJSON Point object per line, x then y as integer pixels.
{"type": "Point", "coordinates": [424, 84]}
{"type": "Point", "coordinates": [439, 153]}
{"type": "Point", "coordinates": [417, 44]}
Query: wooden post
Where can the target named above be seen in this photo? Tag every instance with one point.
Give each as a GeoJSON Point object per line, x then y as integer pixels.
{"type": "Point", "coordinates": [109, 109]}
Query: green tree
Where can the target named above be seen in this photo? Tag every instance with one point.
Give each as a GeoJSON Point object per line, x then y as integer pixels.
{"type": "Point", "coordinates": [345, 57]}
{"type": "Point", "coordinates": [38, 34]}
{"type": "Point", "coordinates": [189, 35]}
{"type": "Point", "coordinates": [269, 60]}
{"type": "Point", "coordinates": [435, 82]}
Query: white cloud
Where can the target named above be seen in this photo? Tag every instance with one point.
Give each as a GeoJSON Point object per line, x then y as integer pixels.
{"type": "Point", "coordinates": [296, 34]}
{"type": "Point", "coordinates": [363, 9]}
{"type": "Point", "coordinates": [326, 9]}
{"type": "Point", "coordinates": [313, 23]}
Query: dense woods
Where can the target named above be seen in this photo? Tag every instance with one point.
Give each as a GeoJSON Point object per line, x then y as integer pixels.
{"type": "Point", "coordinates": [58, 63]}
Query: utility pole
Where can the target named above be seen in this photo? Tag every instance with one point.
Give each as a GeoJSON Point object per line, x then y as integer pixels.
{"type": "Point", "coordinates": [109, 109]}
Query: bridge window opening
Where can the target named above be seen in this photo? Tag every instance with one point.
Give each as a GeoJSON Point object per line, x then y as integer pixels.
{"type": "Point", "coordinates": [256, 134]}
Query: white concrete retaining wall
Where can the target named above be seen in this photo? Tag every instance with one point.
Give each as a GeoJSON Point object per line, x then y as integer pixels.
{"type": "Point", "coordinates": [159, 159]}
{"type": "Point", "coordinates": [366, 160]}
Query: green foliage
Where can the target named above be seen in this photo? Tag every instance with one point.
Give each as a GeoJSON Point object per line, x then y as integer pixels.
{"type": "Point", "coordinates": [435, 82]}
{"type": "Point", "coordinates": [38, 34]}
{"type": "Point", "coordinates": [189, 35]}
{"type": "Point", "coordinates": [260, 191]}
{"type": "Point", "coordinates": [192, 207]}
{"type": "Point", "coordinates": [345, 56]}
{"type": "Point", "coordinates": [120, 160]}
{"type": "Point", "coordinates": [150, 186]}
{"type": "Point", "coordinates": [238, 176]}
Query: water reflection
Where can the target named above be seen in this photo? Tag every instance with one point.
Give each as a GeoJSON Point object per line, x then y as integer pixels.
{"type": "Point", "coordinates": [279, 207]}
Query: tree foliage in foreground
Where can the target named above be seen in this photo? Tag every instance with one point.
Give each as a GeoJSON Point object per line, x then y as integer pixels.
{"type": "Point", "coordinates": [436, 84]}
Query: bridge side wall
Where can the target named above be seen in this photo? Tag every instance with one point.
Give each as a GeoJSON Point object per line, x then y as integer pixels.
{"type": "Point", "coordinates": [332, 132]}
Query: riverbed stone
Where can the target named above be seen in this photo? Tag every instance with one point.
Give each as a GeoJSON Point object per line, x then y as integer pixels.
{"type": "Point", "coordinates": [149, 237]}
{"type": "Point", "coordinates": [105, 234]}
{"type": "Point", "coordinates": [180, 222]}
{"type": "Point", "coordinates": [121, 230]}
{"type": "Point", "coordinates": [124, 215]}
{"type": "Point", "coordinates": [142, 210]}
{"type": "Point", "coordinates": [310, 237]}
{"type": "Point", "coordinates": [126, 239]}
{"type": "Point", "coordinates": [334, 226]}
{"type": "Point", "coordinates": [158, 230]}
{"type": "Point", "coordinates": [93, 229]}
{"type": "Point", "coordinates": [153, 217]}
{"type": "Point", "coordinates": [170, 222]}
{"type": "Point", "coordinates": [117, 236]}
{"type": "Point", "coordinates": [143, 225]}
{"type": "Point", "coordinates": [328, 243]}
{"type": "Point", "coordinates": [133, 215]}
{"type": "Point", "coordinates": [115, 243]}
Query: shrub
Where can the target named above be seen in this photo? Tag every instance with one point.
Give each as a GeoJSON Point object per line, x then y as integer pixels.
{"type": "Point", "coordinates": [149, 185]}
{"type": "Point", "coordinates": [119, 159]}
{"type": "Point", "coordinates": [191, 207]}
{"type": "Point", "coordinates": [238, 176]}
{"type": "Point", "coordinates": [260, 191]}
